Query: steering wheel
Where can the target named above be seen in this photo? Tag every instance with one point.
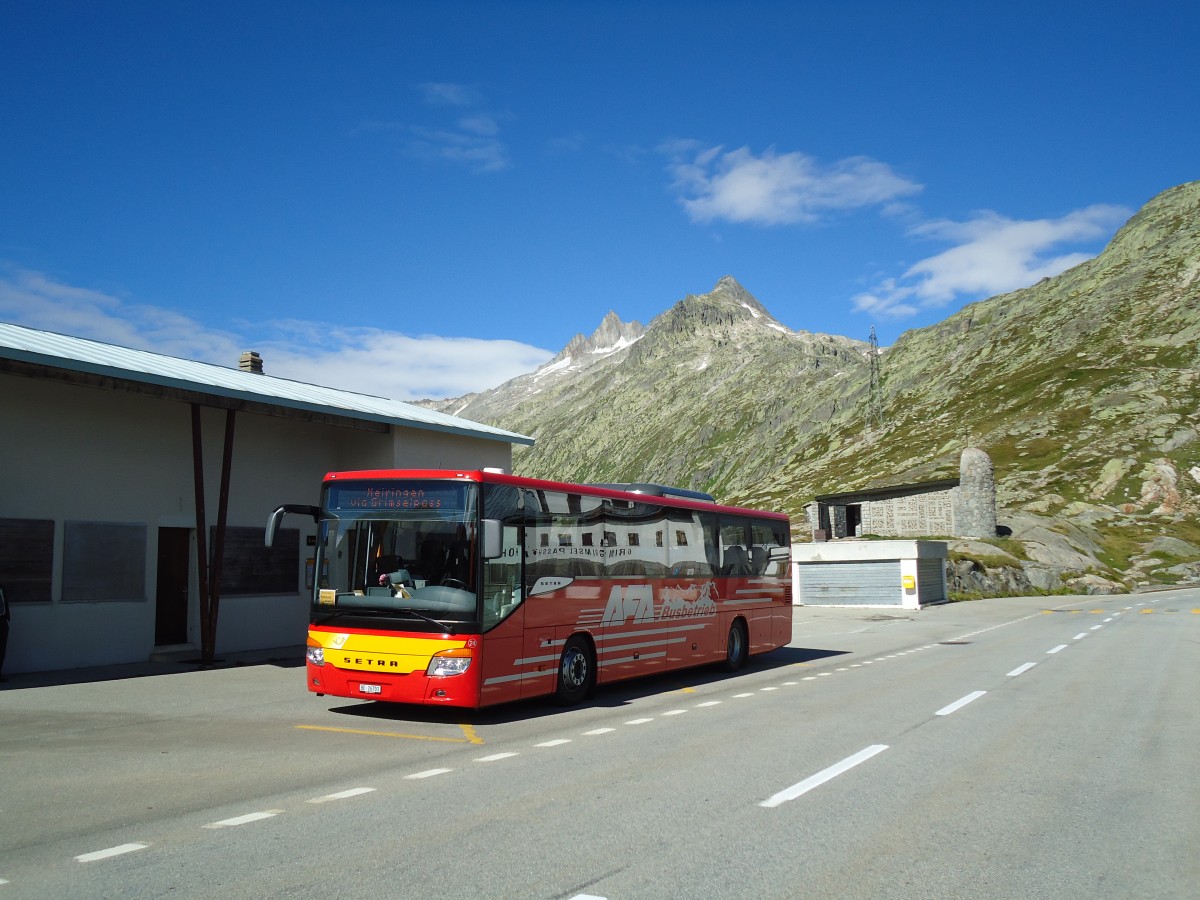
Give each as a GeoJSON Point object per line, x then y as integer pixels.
{"type": "Point", "coordinates": [454, 583]}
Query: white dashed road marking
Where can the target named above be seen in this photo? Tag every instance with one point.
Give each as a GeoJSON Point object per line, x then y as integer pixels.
{"type": "Point", "coordinates": [342, 795]}
{"type": "Point", "coordinates": [106, 854]}
{"type": "Point", "coordinates": [244, 820]}
{"type": "Point", "coordinates": [960, 703]}
{"type": "Point", "coordinates": [428, 773]}
{"type": "Point", "coordinates": [803, 787]}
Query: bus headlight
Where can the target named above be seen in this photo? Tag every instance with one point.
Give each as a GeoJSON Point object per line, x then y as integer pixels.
{"type": "Point", "coordinates": [450, 662]}
{"type": "Point", "coordinates": [316, 655]}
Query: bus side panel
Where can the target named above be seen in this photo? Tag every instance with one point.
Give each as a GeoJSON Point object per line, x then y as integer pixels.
{"type": "Point", "coordinates": [696, 628]}
{"type": "Point", "coordinates": [783, 619]}
{"type": "Point", "coordinates": [768, 618]}
{"type": "Point", "coordinates": [762, 629]}
{"type": "Point", "coordinates": [540, 661]}
{"type": "Point", "coordinates": [634, 637]}
{"type": "Point", "coordinates": [629, 652]}
{"type": "Point", "coordinates": [697, 641]}
{"type": "Point", "coordinates": [503, 649]}
{"type": "Point", "coordinates": [579, 601]}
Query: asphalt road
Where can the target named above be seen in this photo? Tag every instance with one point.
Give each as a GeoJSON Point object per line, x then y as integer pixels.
{"type": "Point", "coordinates": [1000, 748]}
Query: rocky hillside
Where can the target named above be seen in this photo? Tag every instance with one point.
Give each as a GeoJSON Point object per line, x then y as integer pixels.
{"type": "Point", "coordinates": [1082, 388]}
{"type": "Point", "coordinates": [701, 398]}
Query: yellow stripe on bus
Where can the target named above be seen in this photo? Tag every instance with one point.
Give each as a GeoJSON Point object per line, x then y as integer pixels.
{"type": "Point", "coordinates": [381, 652]}
{"type": "Point", "coordinates": [384, 643]}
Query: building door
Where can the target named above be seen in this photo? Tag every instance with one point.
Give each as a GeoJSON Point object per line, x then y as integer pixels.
{"type": "Point", "coordinates": [171, 597]}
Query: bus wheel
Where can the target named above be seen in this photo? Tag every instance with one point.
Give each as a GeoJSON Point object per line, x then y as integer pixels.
{"type": "Point", "coordinates": [576, 672]}
{"type": "Point", "coordinates": [736, 647]}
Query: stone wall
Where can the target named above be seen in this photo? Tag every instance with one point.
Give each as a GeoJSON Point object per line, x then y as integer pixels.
{"type": "Point", "coordinates": [976, 512]}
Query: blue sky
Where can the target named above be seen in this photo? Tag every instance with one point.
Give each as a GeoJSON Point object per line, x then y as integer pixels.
{"type": "Point", "coordinates": [422, 199]}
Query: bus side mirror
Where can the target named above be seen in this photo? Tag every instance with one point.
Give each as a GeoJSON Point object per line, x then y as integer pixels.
{"type": "Point", "coordinates": [277, 515]}
{"type": "Point", "coordinates": [493, 538]}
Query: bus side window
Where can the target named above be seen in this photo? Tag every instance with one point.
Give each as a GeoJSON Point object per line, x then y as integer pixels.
{"type": "Point", "coordinates": [502, 588]}
{"type": "Point", "coordinates": [690, 536]}
{"type": "Point", "coordinates": [736, 560]}
{"type": "Point", "coordinates": [634, 548]}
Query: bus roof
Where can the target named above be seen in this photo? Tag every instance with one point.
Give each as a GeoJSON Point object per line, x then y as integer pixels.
{"type": "Point", "coordinates": [677, 497]}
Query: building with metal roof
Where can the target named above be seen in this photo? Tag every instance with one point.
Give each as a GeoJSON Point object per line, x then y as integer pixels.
{"type": "Point", "coordinates": [117, 463]}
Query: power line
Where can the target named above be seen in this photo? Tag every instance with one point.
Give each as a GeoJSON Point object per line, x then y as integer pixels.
{"type": "Point", "coordinates": [874, 389]}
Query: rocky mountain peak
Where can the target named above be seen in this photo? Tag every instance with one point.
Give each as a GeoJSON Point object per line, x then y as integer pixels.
{"type": "Point", "coordinates": [728, 303]}
{"type": "Point", "coordinates": [727, 316]}
{"type": "Point", "coordinates": [611, 336]}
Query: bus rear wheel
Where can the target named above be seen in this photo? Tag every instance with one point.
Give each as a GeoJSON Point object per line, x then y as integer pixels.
{"type": "Point", "coordinates": [737, 647]}
{"type": "Point", "coordinates": [576, 672]}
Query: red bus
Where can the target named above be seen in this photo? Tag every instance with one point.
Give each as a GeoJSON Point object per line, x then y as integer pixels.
{"type": "Point", "coordinates": [470, 588]}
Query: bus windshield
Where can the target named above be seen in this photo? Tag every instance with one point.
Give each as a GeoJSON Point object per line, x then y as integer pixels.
{"type": "Point", "coordinates": [400, 550]}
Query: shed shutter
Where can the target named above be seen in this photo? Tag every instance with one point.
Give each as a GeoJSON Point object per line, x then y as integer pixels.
{"type": "Point", "coordinates": [873, 582]}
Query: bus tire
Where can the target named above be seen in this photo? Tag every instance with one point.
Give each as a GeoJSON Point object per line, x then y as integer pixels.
{"type": "Point", "coordinates": [737, 647]}
{"type": "Point", "coordinates": [576, 672]}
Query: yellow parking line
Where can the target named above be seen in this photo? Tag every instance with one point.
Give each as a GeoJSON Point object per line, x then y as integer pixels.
{"type": "Point", "coordinates": [469, 731]}
{"type": "Point", "coordinates": [392, 734]}
{"type": "Point", "coordinates": [1145, 612]}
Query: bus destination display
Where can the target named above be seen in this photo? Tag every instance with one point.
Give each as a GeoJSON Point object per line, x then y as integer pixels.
{"type": "Point", "coordinates": [382, 496]}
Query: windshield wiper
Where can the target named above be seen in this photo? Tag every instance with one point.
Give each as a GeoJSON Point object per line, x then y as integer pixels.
{"type": "Point", "coordinates": [429, 619]}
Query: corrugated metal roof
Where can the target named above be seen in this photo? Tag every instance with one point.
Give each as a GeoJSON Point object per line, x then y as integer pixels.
{"type": "Point", "coordinates": [81, 355]}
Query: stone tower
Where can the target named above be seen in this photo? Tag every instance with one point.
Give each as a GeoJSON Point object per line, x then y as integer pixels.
{"type": "Point", "coordinates": [975, 511]}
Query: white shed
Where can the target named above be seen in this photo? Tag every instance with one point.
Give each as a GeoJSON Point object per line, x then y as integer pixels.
{"type": "Point", "coordinates": [905, 574]}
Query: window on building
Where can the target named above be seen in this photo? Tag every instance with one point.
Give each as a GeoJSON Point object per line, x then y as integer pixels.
{"type": "Point", "coordinates": [27, 559]}
{"type": "Point", "coordinates": [104, 561]}
{"type": "Point", "coordinates": [249, 567]}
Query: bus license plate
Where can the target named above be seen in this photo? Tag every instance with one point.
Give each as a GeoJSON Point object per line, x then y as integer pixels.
{"type": "Point", "coordinates": [371, 688]}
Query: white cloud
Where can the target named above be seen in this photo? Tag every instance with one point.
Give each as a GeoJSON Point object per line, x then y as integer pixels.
{"type": "Point", "coordinates": [441, 93]}
{"type": "Point", "coordinates": [775, 188]}
{"type": "Point", "coordinates": [482, 125]}
{"type": "Point", "coordinates": [991, 254]}
{"type": "Point", "coordinates": [473, 138]}
{"type": "Point", "coordinates": [391, 364]}
{"type": "Point", "coordinates": [482, 154]}
{"type": "Point", "coordinates": [366, 360]}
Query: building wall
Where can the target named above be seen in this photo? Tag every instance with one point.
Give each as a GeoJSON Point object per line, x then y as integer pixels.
{"type": "Point", "coordinates": [918, 514]}
{"type": "Point", "coordinates": [915, 515]}
{"type": "Point", "coordinates": [82, 454]}
{"type": "Point", "coordinates": [416, 448]}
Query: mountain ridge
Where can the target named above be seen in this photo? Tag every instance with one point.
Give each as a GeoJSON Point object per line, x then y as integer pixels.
{"type": "Point", "coordinates": [1083, 389]}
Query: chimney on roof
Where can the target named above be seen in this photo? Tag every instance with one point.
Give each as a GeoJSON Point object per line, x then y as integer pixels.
{"type": "Point", "coordinates": [251, 362]}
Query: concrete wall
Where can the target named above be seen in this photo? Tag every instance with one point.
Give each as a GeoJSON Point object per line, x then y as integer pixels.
{"type": "Point", "coordinates": [72, 453]}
